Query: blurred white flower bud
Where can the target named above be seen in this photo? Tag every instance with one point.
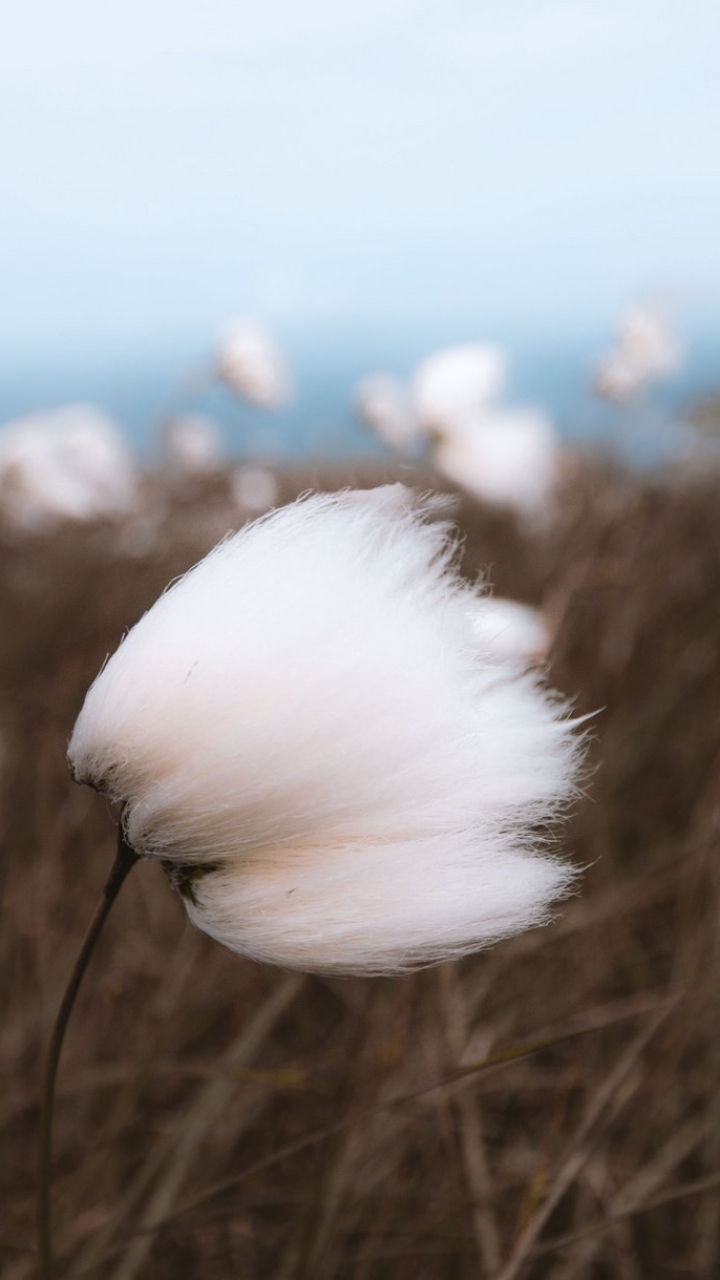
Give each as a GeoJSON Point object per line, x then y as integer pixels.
{"type": "Point", "coordinates": [648, 343]}
{"type": "Point", "coordinates": [250, 364]}
{"type": "Point", "coordinates": [646, 351]}
{"type": "Point", "coordinates": [456, 384]}
{"type": "Point", "coordinates": [507, 458]}
{"type": "Point", "coordinates": [305, 732]}
{"type": "Point", "coordinates": [383, 404]}
{"type": "Point", "coordinates": [66, 464]}
{"type": "Point", "coordinates": [191, 445]}
{"type": "Point", "coordinates": [254, 489]}
{"type": "Point", "coordinates": [614, 379]}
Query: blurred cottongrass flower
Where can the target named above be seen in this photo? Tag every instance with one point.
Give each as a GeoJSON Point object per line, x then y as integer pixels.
{"type": "Point", "coordinates": [68, 464]}
{"type": "Point", "coordinates": [191, 445]}
{"type": "Point", "coordinates": [307, 735]}
{"type": "Point", "coordinates": [250, 364]}
{"type": "Point", "coordinates": [384, 404]}
{"type": "Point", "coordinates": [507, 458]}
{"type": "Point", "coordinates": [254, 489]}
{"type": "Point", "coordinates": [646, 351]}
{"type": "Point", "coordinates": [456, 384]}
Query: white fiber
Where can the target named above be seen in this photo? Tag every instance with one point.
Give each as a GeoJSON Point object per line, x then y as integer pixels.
{"type": "Point", "coordinates": [338, 777]}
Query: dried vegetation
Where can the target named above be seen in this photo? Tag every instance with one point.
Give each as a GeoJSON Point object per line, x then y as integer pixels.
{"type": "Point", "coordinates": [548, 1109]}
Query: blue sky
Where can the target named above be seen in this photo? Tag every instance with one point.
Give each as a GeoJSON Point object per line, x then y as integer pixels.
{"type": "Point", "coordinates": [167, 165]}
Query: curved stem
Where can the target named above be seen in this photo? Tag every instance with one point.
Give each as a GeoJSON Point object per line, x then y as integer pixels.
{"type": "Point", "coordinates": [125, 860]}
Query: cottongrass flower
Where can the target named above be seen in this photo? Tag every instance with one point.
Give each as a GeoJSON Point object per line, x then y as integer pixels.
{"type": "Point", "coordinates": [254, 489]}
{"type": "Point", "coordinates": [68, 464]}
{"type": "Point", "coordinates": [334, 768]}
{"type": "Point", "coordinates": [384, 404]}
{"type": "Point", "coordinates": [307, 736]}
{"type": "Point", "coordinates": [507, 458]}
{"type": "Point", "coordinates": [646, 351]}
{"type": "Point", "coordinates": [250, 364]}
{"type": "Point", "coordinates": [191, 445]}
{"type": "Point", "coordinates": [456, 384]}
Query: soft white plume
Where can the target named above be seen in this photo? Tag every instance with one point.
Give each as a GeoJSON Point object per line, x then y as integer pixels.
{"type": "Point", "coordinates": [254, 489]}
{"type": "Point", "coordinates": [65, 464]}
{"type": "Point", "coordinates": [510, 458]}
{"type": "Point", "coordinates": [507, 457]}
{"type": "Point", "coordinates": [306, 732]}
{"type": "Point", "coordinates": [191, 444]}
{"type": "Point", "coordinates": [383, 403]}
{"type": "Point", "coordinates": [456, 384]}
{"type": "Point", "coordinates": [646, 351]}
{"type": "Point", "coordinates": [250, 363]}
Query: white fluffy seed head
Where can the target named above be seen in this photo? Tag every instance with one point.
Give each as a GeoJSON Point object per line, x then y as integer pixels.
{"type": "Point", "coordinates": [68, 464]}
{"type": "Point", "coordinates": [647, 341]}
{"type": "Point", "coordinates": [383, 403]}
{"type": "Point", "coordinates": [457, 383]}
{"type": "Point", "coordinates": [614, 379]}
{"type": "Point", "coordinates": [646, 351]}
{"type": "Point", "coordinates": [250, 364]}
{"type": "Point", "coordinates": [254, 489]}
{"type": "Point", "coordinates": [307, 733]}
{"type": "Point", "coordinates": [191, 445]}
{"type": "Point", "coordinates": [509, 458]}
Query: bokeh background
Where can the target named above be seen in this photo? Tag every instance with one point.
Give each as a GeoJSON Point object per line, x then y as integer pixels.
{"type": "Point", "coordinates": [370, 180]}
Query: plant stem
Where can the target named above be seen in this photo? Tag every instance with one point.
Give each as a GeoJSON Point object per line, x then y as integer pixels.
{"type": "Point", "coordinates": [125, 860]}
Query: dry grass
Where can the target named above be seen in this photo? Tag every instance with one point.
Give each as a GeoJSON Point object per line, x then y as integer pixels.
{"type": "Point", "coordinates": [217, 1119]}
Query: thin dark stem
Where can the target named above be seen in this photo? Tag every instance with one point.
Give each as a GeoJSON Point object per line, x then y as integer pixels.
{"type": "Point", "coordinates": [125, 860]}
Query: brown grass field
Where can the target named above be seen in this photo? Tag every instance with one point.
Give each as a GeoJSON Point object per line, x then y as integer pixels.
{"type": "Point", "coordinates": [550, 1108]}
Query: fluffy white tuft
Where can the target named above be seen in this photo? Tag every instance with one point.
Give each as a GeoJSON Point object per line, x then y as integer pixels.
{"type": "Point", "coordinates": [646, 351]}
{"type": "Point", "coordinates": [305, 729]}
{"type": "Point", "coordinates": [191, 445]}
{"type": "Point", "coordinates": [66, 464]}
{"type": "Point", "coordinates": [456, 383]}
{"type": "Point", "coordinates": [510, 458]}
{"type": "Point", "coordinates": [254, 489]}
{"type": "Point", "coordinates": [384, 404]}
{"type": "Point", "coordinates": [250, 364]}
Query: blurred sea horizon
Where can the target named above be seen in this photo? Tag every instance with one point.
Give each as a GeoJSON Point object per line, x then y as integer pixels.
{"type": "Point", "coordinates": [141, 387]}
